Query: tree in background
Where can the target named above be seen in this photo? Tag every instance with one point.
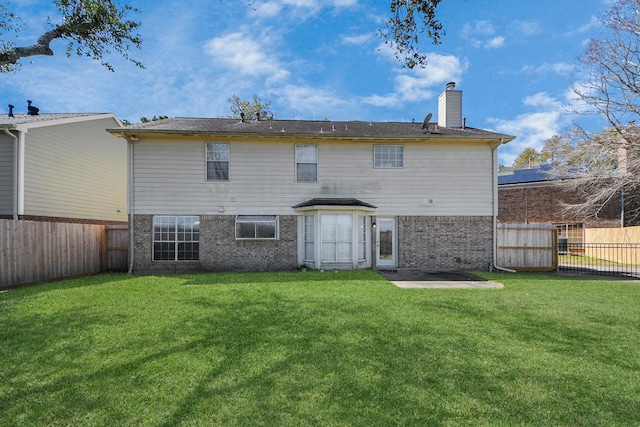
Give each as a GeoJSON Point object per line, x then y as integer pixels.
{"type": "Point", "coordinates": [528, 158]}
{"type": "Point", "coordinates": [556, 151]}
{"type": "Point", "coordinates": [153, 119]}
{"type": "Point", "coordinates": [93, 28]}
{"type": "Point", "coordinates": [250, 109]}
{"type": "Point", "coordinates": [601, 168]}
{"type": "Point", "coordinates": [606, 165]}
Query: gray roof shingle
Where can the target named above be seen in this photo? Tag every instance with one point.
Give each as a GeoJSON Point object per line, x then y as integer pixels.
{"type": "Point", "coordinates": [181, 125]}
{"type": "Point", "coordinates": [20, 119]}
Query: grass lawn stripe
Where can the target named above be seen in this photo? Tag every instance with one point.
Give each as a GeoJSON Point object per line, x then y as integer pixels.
{"type": "Point", "coordinates": [326, 349]}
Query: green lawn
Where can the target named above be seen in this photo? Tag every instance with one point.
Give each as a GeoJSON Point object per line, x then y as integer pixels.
{"type": "Point", "coordinates": [319, 349]}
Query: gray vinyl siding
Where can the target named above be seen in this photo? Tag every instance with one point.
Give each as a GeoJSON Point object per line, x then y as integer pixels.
{"type": "Point", "coordinates": [6, 175]}
{"type": "Point", "coordinates": [437, 179]}
{"type": "Point", "coordinates": [76, 170]}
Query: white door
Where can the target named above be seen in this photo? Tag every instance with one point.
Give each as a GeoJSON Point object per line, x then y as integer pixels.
{"type": "Point", "coordinates": [386, 244]}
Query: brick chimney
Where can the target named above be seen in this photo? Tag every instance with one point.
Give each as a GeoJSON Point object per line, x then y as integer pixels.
{"type": "Point", "coordinates": [450, 107]}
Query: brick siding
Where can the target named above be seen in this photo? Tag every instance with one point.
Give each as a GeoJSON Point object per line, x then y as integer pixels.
{"type": "Point", "coordinates": [219, 250]}
{"type": "Point", "coordinates": [543, 205]}
{"type": "Point", "coordinates": [435, 243]}
{"type": "Point", "coordinates": [443, 243]}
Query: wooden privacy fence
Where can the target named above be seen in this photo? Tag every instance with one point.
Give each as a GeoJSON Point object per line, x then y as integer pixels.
{"type": "Point", "coordinates": [34, 251]}
{"type": "Point", "coordinates": [117, 247]}
{"type": "Point", "coordinates": [527, 247]}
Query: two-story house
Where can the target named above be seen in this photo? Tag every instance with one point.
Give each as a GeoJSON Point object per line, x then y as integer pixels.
{"type": "Point", "coordinates": [227, 195]}
{"type": "Point", "coordinates": [62, 167]}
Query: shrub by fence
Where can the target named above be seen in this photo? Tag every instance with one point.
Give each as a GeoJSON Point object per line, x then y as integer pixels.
{"type": "Point", "coordinates": [34, 251]}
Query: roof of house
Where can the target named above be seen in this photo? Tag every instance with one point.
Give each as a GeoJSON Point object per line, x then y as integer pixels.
{"type": "Point", "coordinates": [523, 176]}
{"type": "Point", "coordinates": [180, 125]}
{"type": "Point", "coordinates": [26, 119]}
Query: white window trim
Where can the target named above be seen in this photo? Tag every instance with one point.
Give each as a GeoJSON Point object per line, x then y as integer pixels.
{"type": "Point", "coordinates": [175, 241]}
{"type": "Point", "coordinates": [387, 166]}
{"type": "Point", "coordinates": [306, 163]}
{"type": "Point", "coordinates": [206, 161]}
{"type": "Point", "coordinates": [356, 261]}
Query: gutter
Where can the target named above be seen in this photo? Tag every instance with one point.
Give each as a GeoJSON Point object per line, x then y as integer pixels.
{"type": "Point", "coordinates": [14, 190]}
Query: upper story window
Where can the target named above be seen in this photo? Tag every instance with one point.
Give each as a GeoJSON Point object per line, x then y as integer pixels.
{"type": "Point", "coordinates": [306, 163]}
{"type": "Point", "coordinates": [217, 161]}
{"type": "Point", "coordinates": [388, 156]}
{"type": "Point", "coordinates": [257, 227]}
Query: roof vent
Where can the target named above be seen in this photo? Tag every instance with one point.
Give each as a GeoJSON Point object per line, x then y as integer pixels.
{"type": "Point", "coordinates": [11, 107]}
{"type": "Point", "coordinates": [450, 86]}
{"type": "Point", "coordinates": [32, 110]}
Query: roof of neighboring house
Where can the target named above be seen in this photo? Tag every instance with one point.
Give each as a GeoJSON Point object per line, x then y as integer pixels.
{"type": "Point", "coordinates": [523, 176]}
{"type": "Point", "coordinates": [19, 120]}
{"type": "Point", "coordinates": [194, 126]}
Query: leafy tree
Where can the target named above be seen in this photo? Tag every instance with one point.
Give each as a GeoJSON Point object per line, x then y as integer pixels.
{"type": "Point", "coordinates": [527, 159]}
{"type": "Point", "coordinates": [411, 20]}
{"type": "Point", "coordinates": [556, 150]}
{"type": "Point", "coordinates": [153, 119]}
{"type": "Point", "coordinates": [93, 28]}
{"type": "Point", "coordinates": [250, 109]}
{"type": "Point", "coordinates": [410, 23]}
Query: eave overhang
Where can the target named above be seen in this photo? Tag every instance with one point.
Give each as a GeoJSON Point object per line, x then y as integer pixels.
{"type": "Point", "coordinates": [346, 204]}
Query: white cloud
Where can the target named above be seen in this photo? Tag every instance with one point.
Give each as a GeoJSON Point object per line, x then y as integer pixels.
{"type": "Point", "coordinates": [542, 99]}
{"type": "Point", "coordinates": [302, 9]}
{"type": "Point", "coordinates": [388, 101]}
{"type": "Point", "coordinates": [548, 118]}
{"type": "Point", "coordinates": [357, 40]}
{"type": "Point", "coordinates": [419, 84]}
{"type": "Point", "coordinates": [594, 22]}
{"type": "Point", "coordinates": [527, 28]}
{"type": "Point", "coordinates": [557, 68]}
{"type": "Point", "coordinates": [482, 34]}
{"type": "Point", "coordinates": [483, 27]}
{"type": "Point", "coordinates": [267, 9]}
{"type": "Point", "coordinates": [311, 102]}
{"type": "Point", "coordinates": [246, 56]}
{"type": "Point", "coordinates": [495, 43]}
{"type": "Point", "coordinates": [531, 130]}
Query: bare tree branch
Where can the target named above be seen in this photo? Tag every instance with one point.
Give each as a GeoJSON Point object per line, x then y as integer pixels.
{"type": "Point", "coordinates": [604, 167]}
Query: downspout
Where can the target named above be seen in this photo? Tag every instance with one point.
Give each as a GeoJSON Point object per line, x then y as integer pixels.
{"type": "Point", "coordinates": [622, 207]}
{"type": "Point", "coordinates": [14, 184]}
{"type": "Point", "coordinates": [494, 168]}
{"type": "Point", "coordinates": [130, 197]}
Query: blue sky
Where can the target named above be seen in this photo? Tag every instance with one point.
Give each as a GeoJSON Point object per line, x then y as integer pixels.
{"type": "Point", "coordinates": [314, 59]}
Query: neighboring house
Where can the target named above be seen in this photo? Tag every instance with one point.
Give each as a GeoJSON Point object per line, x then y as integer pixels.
{"type": "Point", "coordinates": [534, 196]}
{"type": "Point", "coordinates": [253, 194]}
{"type": "Point", "coordinates": [62, 167]}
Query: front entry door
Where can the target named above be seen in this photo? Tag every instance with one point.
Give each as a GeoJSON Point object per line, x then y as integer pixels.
{"type": "Point", "coordinates": [386, 245]}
